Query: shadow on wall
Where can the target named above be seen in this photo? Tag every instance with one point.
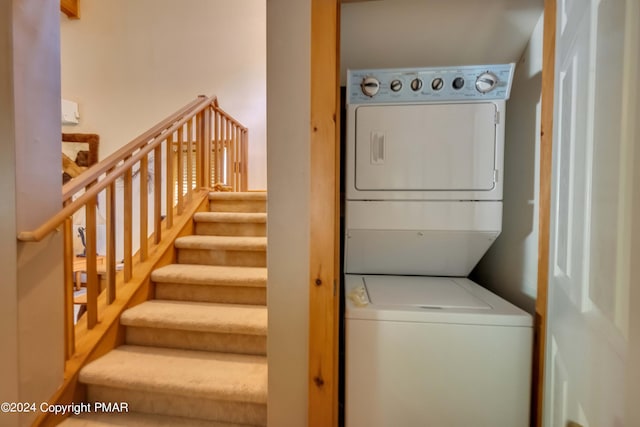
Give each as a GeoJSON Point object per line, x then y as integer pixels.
{"type": "Point", "coordinates": [509, 268]}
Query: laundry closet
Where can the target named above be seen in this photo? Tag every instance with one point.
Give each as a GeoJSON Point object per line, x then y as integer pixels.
{"type": "Point", "coordinates": [440, 210]}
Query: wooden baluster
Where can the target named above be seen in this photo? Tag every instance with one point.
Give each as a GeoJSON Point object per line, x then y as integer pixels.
{"type": "Point", "coordinates": [229, 156]}
{"type": "Point", "coordinates": [199, 152]}
{"type": "Point", "coordinates": [170, 180]}
{"type": "Point", "coordinates": [207, 147]}
{"type": "Point", "coordinates": [110, 220]}
{"type": "Point", "coordinates": [144, 208]}
{"type": "Point", "coordinates": [180, 169]}
{"type": "Point", "coordinates": [189, 159]}
{"type": "Point", "coordinates": [222, 177]}
{"type": "Point", "coordinates": [215, 169]}
{"type": "Point", "coordinates": [69, 327]}
{"type": "Point", "coordinates": [234, 156]}
{"type": "Point", "coordinates": [91, 258]}
{"type": "Point", "coordinates": [157, 194]}
{"type": "Point", "coordinates": [245, 160]}
{"type": "Point", "coordinates": [128, 225]}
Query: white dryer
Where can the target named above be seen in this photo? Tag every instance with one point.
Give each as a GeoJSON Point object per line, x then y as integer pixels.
{"type": "Point", "coordinates": [424, 169]}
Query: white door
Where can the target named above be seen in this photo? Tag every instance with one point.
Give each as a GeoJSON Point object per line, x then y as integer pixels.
{"type": "Point", "coordinates": [426, 147]}
{"type": "Point", "coordinates": [596, 112]}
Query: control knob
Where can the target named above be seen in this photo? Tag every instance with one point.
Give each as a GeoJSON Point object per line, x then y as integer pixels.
{"type": "Point", "coordinates": [396, 85]}
{"type": "Point", "coordinates": [458, 83]}
{"type": "Point", "coordinates": [437, 83]}
{"type": "Point", "coordinates": [370, 86]}
{"type": "Point", "coordinates": [416, 84]}
{"type": "Point", "coordinates": [486, 82]}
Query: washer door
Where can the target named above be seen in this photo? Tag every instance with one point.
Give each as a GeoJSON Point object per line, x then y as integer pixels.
{"type": "Point", "coordinates": [433, 147]}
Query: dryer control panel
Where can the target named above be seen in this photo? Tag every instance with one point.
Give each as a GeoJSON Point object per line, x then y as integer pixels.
{"type": "Point", "coordinates": [439, 84]}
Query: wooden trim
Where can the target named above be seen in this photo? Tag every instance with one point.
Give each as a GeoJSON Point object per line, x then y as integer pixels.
{"type": "Point", "coordinates": [70, 8]}
{"type": "Point", "coordinates": [324, 292]}
{"type": "Point", "coordinates": [546, 144]}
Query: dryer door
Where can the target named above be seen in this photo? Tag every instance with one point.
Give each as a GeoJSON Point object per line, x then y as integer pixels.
{"type": "Point", "coordinates": [433, 147]}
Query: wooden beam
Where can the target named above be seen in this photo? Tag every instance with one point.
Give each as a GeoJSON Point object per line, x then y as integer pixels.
{"type": "Point", "coordinates": [324, 295]}
{"type": "Point", "coordinates": [70, 8]}
{"type": "Point", "coordinates": [546, 144]}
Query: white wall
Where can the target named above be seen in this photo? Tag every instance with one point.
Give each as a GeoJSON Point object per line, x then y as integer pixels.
{"type": "Point", "coordinates": [130, 63]}
{"type": "Point", "coordinates": [510, 268]}
{"type": "Point", "coordinates": [31, 355]}
{"type": "Point", "coordinates": [427, 33]}
{"type": "Point", "coordinates": [288, 88]}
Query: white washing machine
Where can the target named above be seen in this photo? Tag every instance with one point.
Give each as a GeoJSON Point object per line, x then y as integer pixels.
{"type": "Point", "coordinates": [425, 346]}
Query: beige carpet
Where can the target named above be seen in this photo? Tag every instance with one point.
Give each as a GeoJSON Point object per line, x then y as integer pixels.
{"type": "Point", "coordinates": [218, 376]}
{"type": "Point", "coordinates": [195, 355]}
{"type": "Point", "coordinates": [133, 419]}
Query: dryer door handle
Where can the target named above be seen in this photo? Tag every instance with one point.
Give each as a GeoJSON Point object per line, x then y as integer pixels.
{"type": "Point", "coordinates": [377, 147]}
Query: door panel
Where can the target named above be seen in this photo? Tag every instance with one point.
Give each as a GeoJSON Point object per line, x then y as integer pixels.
{"type": "Point", "coordinates": [588, 295]}
{"type": "Point", "coordinates": [426, 147]}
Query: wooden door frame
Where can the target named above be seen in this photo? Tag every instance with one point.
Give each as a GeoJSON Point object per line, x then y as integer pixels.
{"type": "Point", "coordinates": [324, 292]}
{"type": "Point", "coordinates": [544, 209]}
{"type": "Point", "coordinates": [324, 209]}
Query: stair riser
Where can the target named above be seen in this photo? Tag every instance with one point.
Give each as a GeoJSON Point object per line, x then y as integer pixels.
{"type": "Point", "coordinates": [247, 206]}
{"type": "Point", "coordinates": [217, 294]}
{"type": "Point", "coordinates": [222, 257]}
{"type": "Point", "coordinates": [231, 229]}
{"type": "Point", "coordinates": [195, 340]}
{"type": "Point", "coordinates": [183, 406]}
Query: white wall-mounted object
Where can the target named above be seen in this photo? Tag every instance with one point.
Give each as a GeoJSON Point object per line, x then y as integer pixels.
{"type": "Point", "coordinates": [70, 114]}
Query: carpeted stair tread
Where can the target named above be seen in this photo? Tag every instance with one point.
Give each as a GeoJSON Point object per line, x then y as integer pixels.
{"type": "Point", "coordinates": [194, 274]}
{"type": "Point", "coordinates": [230, 243]}
{"type": "Point", "coordinates": [197, 316]}
{"type": "Point", "coordinates": [235, 217]}
{"type": "Point", "coordinates": [188, 373]}
{"type": "Point", "coordinates": [250, 195]}
{"type": "Point", "coordinates": [136, 419]}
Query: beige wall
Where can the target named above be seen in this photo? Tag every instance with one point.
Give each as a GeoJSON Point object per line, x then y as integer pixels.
{"type": "Point", "coordinates": [31, 285]}
{"type": "Point", "coordinates": [288, 87]}
{"type": "Point", "coordinates": [510, 267]}
{"type": "Point", "coordinates": [130, 63]}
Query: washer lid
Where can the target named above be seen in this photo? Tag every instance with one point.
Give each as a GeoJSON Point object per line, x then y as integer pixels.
{"type": "Point", "coordinates": [421, 292]}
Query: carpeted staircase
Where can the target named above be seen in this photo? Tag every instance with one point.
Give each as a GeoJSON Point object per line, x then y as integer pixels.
{"type": "Point", "coordinates": [196, 354]}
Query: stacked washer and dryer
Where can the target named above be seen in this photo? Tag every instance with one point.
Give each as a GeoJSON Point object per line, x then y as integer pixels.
{"type": "Point", "coordinates": [426, 346]}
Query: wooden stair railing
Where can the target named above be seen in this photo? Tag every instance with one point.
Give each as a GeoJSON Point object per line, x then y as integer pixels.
{"type": "Point", "coordinates": [195, 147]}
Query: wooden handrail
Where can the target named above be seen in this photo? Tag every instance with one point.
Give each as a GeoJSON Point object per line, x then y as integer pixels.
{"type": "Point", "coordinates": [95, 171]}
{"type": "Point", "coordinates": [50, 225]}
{"type": "Point", "coordinates": [219, 157]}
{"type": "Point", "coordinates": [142, 144]}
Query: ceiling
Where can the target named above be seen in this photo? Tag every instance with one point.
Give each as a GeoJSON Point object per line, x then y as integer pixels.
{"type": "Point", "coordinates": [415, 33]}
